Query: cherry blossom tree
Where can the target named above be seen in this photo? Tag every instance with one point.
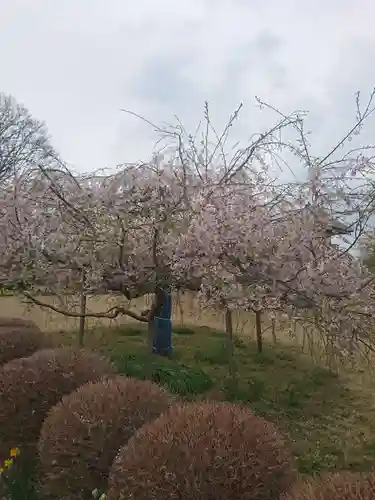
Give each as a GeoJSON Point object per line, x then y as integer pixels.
{"type": "Point", "coordinates": [62, 231]}
{"type": "Point", "coordinates": [253, 253]}
{"type": "Point", "coordinates": [266, 248]}
{"type": "Point", "coordinates": [198, 218]}
{"type": "Point", "coordinates": [62, 234]}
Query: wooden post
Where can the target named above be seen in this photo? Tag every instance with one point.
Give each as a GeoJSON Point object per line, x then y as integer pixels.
{"type": "Point", "coordinates": [83, 306]}
{"type": "Point", "coordinates": [258, 329]}
{"type": "Point", "coordinates": [232, 370]}
{"type": "Point", "coordinates": [274, 330]}
{"type": "Point", "coordinates": [229, 332]}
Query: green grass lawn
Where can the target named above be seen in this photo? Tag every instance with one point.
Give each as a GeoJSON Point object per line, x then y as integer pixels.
{"type": "Point", "coordinates": [328, 424]}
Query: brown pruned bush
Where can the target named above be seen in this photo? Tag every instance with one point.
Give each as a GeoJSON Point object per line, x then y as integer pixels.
{"type": "Point", "coordinates": [340, 486]}
{"type": "Point", "coordinates": [16, 323]}
{"type": "Point", "coordinates": [82, 434]}
{"type": "Point", "coordinates": [29, 387]}
{"type": "Point", "coordinates": [203, 451]}
{"type": "Point", "coordinates": [20, 338]}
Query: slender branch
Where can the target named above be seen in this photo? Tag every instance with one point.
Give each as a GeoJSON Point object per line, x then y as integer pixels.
{"type": "Point", "coordinates": [112, 313]}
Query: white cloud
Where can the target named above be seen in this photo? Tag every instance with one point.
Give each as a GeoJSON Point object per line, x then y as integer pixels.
{"type": "Point", "coordinates": [75, 64]}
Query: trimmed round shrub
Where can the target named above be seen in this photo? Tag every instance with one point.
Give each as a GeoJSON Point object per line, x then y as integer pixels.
{"type": "Point", "coordinates": [17, 323]}
{"type": "Point", "coordinates": [20, 338]}
{"type": "Point", "coordinates": [203, 451]}
{"type": "Point", "coordinates": [29, 387]}
{"type": "Point", "coordinates": [82, 434]}
{"type": "Point", "coordinates": [340, 486]}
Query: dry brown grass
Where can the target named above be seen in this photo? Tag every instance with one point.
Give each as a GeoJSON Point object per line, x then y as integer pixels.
{"type": "Point", "coordinates": [46, 319]}
{"type": "Point", "coordinates": [186, 310]}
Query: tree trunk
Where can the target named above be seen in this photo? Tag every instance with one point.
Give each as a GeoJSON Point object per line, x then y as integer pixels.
{"type": "Point", "coordinates": [82, 319]}
{"type": "Point", "coordinates": [156, 306]}
{"type": "Point", "coordinates": [258, 329]}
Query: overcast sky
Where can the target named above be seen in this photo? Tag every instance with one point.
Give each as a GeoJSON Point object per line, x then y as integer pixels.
{"type": "Point", "coordinates": [76, 63]}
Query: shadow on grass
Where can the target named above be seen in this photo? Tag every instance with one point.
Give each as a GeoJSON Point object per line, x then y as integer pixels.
{"type": "Point", "coordinates": [183, 330]}
{"type": "Point", "coordinates": [130, 331]}
{"type": "Point", "coordinates": [180, 379]}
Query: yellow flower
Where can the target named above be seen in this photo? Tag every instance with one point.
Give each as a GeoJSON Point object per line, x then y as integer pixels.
{"type": "Point", "coordinates": [14, 452]}
{"type": "Point", "coordinates": [8, 462]}
{"type": "Point", "coordinates": [103, 496]}
{"type": "Point", "coordinates": [1, 470]}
